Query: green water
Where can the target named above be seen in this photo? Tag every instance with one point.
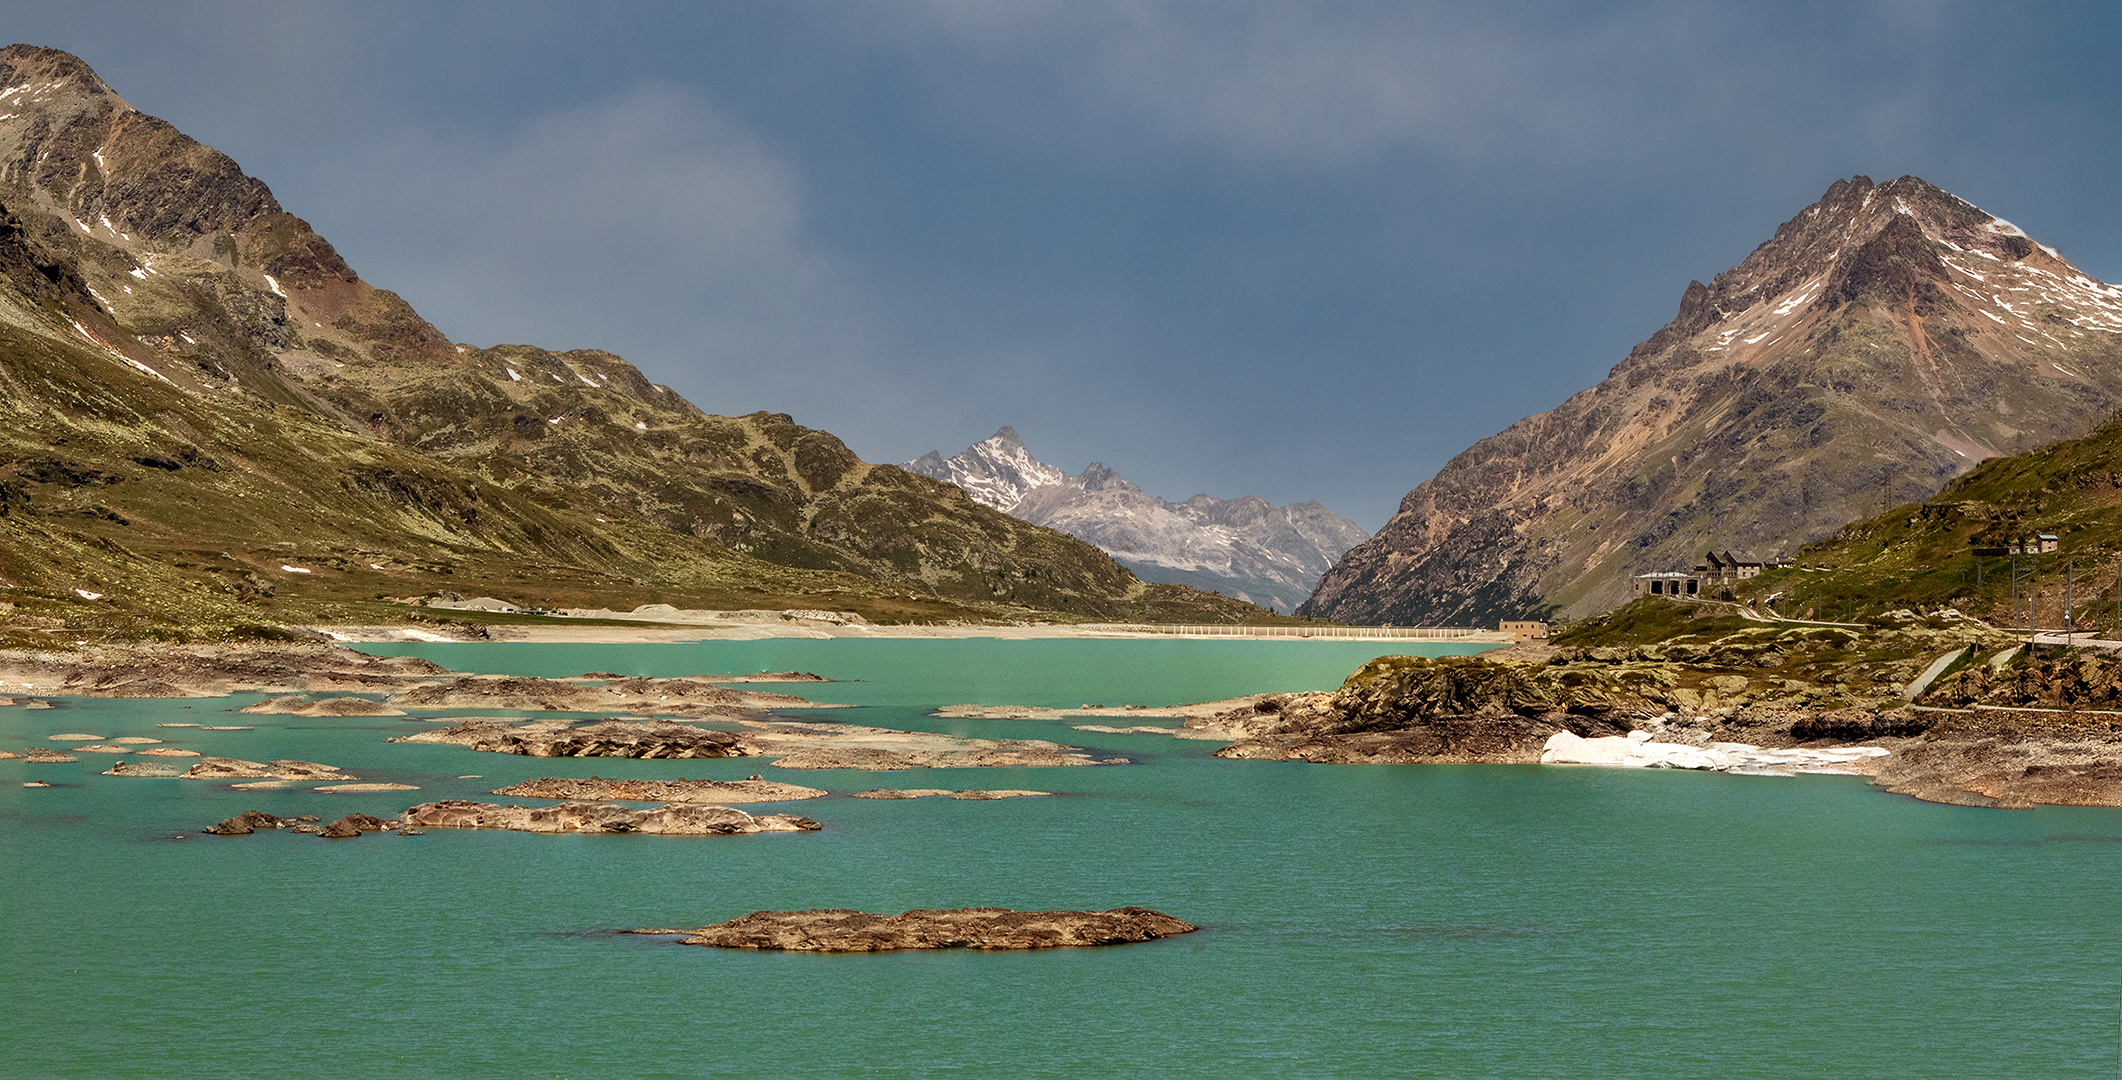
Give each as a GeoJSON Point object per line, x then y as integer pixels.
{"type": "Point", "coordinates": [1402, 921]}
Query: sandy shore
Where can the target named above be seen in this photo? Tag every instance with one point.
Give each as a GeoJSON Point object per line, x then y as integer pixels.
{"type": "Point", "coordinates": [658, 623]}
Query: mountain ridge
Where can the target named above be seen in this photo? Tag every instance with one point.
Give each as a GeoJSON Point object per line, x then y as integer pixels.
{"type": "Point", "coordinates": [1244, 547]}
{"type": "Point", "coordinates": [1884, 340]}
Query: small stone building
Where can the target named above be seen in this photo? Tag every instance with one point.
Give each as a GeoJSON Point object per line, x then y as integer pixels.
{"type": "Point", "coordinates": [1668, 583]}
{"type": "Point", "coordinates": [1524, 630]}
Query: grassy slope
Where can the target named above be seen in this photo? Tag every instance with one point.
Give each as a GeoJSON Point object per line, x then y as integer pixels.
{"type": "Point", "coordinates": [1920, 556]}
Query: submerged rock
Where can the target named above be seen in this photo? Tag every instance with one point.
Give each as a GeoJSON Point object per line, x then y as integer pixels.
{"type": "Point", "coordinates": [842, 930]}
{"type": "Point", "coordinates": [577, 817]}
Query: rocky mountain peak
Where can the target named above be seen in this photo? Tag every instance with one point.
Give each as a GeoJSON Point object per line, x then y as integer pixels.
{"type": "Point", "coordinates": [1882, 341]}
{"type": "Point", "coordinates": [996, 471]}
{"type": "Point", "coordinates": [183, 255]}
{"type": "Point", "coordinates": [1097, 478]}
{"type": "Point", "coordinates": [1244, 547]}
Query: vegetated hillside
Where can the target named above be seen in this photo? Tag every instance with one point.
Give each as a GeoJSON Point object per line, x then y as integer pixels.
{"type": "Point", "coordinates": [202, 401]}
{"type": "Point", "coordinates": [1941, 552]}
{"type": "Point", "coordinates": [1883, 341]}
{"type": "Point", "coordinates": [1244, 547]}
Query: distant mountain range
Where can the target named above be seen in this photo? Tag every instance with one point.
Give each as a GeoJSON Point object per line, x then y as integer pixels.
{"type": "Point", "coordinates": [1244, 547]}
{"type": "Point", "coordinates": [1882, 342]}
{"type": "Point", "coordinates": [207, 418]}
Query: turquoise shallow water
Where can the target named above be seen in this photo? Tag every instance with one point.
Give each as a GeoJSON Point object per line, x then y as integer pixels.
{"type": "Point", "coordinates": [1402, 921]}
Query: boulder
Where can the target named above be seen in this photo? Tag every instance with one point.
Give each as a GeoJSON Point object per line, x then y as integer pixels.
{"type": "Point", "coordinates": [353, 825]}
{"type": "Point", "coordinates": [248, 822]}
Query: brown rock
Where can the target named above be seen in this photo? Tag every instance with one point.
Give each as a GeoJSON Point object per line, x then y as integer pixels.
{"type": "Point", "coordinates": [610, 738]}
{"type": "Point", "coordinates": [575, 817]}
{"type": "Point", "coordinates": [248, 822]}
{"type": "Point", "coordinates": [38, 755]}
{"type": "Point", "coordinates": [841, 930]}
{"type": "Point", "coordinates": [354, 825]}
{"type": "Point", "coordinates": [220, 768]}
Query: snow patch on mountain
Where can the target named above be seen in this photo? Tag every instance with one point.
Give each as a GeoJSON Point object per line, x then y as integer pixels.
{"type": "Point", "coordinates": [1244, 547]}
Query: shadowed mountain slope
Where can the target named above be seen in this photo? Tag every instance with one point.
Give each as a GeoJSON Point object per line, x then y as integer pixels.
{"type": "Point", "coordinates": [1885, 340]}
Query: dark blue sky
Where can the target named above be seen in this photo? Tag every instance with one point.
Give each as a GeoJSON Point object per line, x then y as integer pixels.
{"type": "Point", "coordinates": [1289, 249]}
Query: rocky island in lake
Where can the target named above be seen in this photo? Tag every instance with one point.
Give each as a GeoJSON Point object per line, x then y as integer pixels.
{"type": "Point", "coordinates": [843, 930]}
{"type": "Point", "coordinates": [686, 819]}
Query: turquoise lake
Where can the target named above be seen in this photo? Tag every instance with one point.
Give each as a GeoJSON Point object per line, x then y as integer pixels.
{"type": "Point", "coordinates": [1420, 921]}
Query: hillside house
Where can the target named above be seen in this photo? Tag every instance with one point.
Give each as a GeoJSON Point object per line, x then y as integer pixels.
{"type": "Point", "coordinates": [1726, 567]}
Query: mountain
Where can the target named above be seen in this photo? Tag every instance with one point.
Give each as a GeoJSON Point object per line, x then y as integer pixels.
{"type": "Point", "coordinates": [208, 416]}
{"type": "Point", "coordinates": [1245, 547]}
{"type": "Point", "coordinates": [1885, 340]}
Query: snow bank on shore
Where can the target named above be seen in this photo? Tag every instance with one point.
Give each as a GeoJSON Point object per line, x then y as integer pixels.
{"type": "Point", "coordinates": [1636, 751]}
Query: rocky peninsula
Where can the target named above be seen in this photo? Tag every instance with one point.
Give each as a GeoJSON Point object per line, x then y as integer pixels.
{"type": "Point", "coordinates": [319, 679]}
{"type": "Point", "coordinates": [841, 930]}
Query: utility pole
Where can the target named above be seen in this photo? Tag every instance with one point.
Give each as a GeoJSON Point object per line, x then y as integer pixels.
{"type": "Point", "coordinates": [2017, 576]}
{"type": "Point", "coordinates": [2070, 620]}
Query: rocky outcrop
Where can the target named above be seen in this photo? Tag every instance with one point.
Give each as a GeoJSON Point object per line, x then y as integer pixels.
{"type": "Point", "coordinates": [580, 817]}
{"type": "Point", "coordinates": [248, 822]}
{"type": "Point", "coordinates": [681, 790]}
{"type": "Point", "coordinates": [39, 755]}
{"type": "Point", "coordinates": [196, 671]}
{"type": "Point", "coordinates": [353, 825]}
{"type": "Point", "coordinates": [669, 697]}
{"type": "Point", "coordinates": [2010, 771]}
{"type": "Point", "coordinates": [793, 745]}
{"type": "Point", "coordinates": [338, 706]}
{"type": "Point", "coordinates": [840, 930]}
{"type": "Point", "coordinates": [1007, 753]}
{"type": "Point", "coordinates": [1244, 547]}
{"type": "Point", "coordinates": [144, 769]}
{"type": "Point", "coordinates": [1882, 342]}
{"type": "Point", "coordinates": [221, 768]}
{"type": "Point", "coordinates": [610, 738]}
